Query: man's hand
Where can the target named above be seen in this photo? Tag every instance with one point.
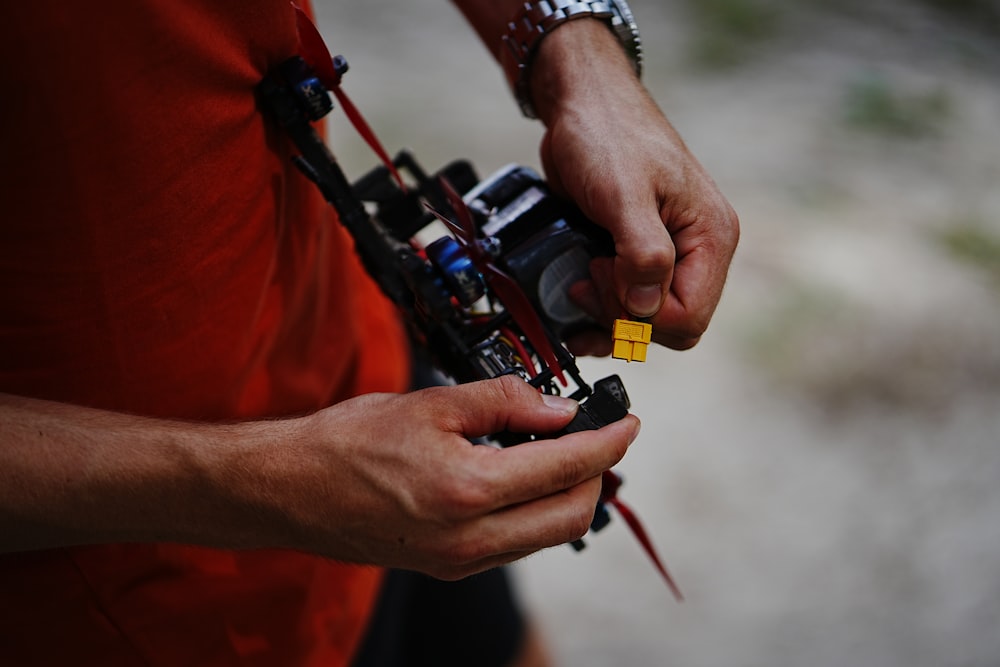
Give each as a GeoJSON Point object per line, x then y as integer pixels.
{"type": "Point", "coordinates": [610, 149]}
{"type": "Point", "coordinates": [382, 479]}
{"type": "Point", "coordinates": [394, 480]}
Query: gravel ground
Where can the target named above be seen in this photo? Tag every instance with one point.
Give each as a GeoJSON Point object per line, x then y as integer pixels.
{"type": "Point", "coordinates": [822, 472]}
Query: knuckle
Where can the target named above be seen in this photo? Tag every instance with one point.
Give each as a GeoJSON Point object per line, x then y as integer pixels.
{"type": "Point", "coordinates": [579, 521]}
{"type": "Point", "coordinates": [690, 331]}
{"type": "Point", "coordinates": [733, 224]}
{"type": "Point", "coordinates": [454, 558]}
{"type": "Point", "coordinates": [446, 571]}
{"type": "Point", "coordinates": [448, 574]}
{"type": "Point", "coordinates": [468, 552]}
{"type": "Point", "coordinates": [570, 471]}
{"type": "Point", "coordinates": [729, 218]}
{"type": "Point", "coordinates": [510, 388]}
{"type": "Point", "coordinates": [433, 402]}
{"type": "Point", "coordinates": [581, 513]}
{"type": "Point", "coordinates": [467, 491]}
{"type": "Point", "coordinates": [650, 256]}
{"type": "Point", "coordinates": [681, 343]}
{"type": "Point", "coordinates": [724, 228]}
{"type": "Point", "coordinates": [464, 498]}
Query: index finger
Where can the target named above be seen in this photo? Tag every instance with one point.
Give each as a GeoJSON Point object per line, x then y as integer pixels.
{"type": "Point", "coordinates": [537, 469]}
{"type": "Point", "coordinates": [704, 254]}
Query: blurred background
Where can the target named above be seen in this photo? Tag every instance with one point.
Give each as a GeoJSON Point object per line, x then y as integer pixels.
{"type": "Point", "coordinates": [822, 473]}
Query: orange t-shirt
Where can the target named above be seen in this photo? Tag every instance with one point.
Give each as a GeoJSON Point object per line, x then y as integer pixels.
{"type": "Point", "coordinates": [160, 255]}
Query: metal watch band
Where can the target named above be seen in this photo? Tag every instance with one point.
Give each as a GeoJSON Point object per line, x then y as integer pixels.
{"type": "Point", "coordinates": [537, 19]}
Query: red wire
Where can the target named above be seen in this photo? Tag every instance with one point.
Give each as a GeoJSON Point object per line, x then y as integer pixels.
{"type": "Point", "coordinates": [520, 350]}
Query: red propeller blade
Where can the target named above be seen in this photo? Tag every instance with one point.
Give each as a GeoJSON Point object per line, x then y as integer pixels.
{"type": "Point", "coordinates": [524, 314]}
{"type": "Point", "coordinates": [612, 482]}
{"type": "Point", "coordinates": [315, 53]}
{"type": "Point", "coordinates": [455, 229]}
{"type": "Point", "coordinates": [506, 288]}
{"type": "Point", "coordinates": [462, 211]}
{"type": "Point", "coordinates": [314, 49]}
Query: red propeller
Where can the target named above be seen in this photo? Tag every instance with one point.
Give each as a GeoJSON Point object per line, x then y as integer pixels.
{"type": "Point", "coordinates": [315, 53]}
{"type": "Point", "coordinates": [611, 482]}
{"type": "Point", "coordinates": [505, 287]}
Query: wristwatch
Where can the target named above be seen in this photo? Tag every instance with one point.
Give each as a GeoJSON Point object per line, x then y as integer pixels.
{"type": "Point", "coordinates": [537, 19]}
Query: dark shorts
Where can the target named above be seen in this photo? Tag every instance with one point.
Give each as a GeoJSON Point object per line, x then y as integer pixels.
{"type": "Point", "coordinates": [421, 621]}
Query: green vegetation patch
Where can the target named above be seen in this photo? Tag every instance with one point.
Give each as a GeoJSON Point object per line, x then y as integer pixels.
{"type": "Point", "coordinates": [873, 103]}
{"type": "Point", "coordinates": [730, 30]}
{"type": "Point", "coordinates": [971, 243]}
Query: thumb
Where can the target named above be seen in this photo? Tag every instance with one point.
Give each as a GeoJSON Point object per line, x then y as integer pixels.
{"type": "Point", "coordinates": [507, 403]}
{"type": "Point", "coordinates": [644, 263]}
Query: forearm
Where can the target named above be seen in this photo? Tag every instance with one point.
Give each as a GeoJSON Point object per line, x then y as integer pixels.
{"type": "Point", "coordinates": [579, 61]}
{"type": "Point", "coordinates": [72, 475]}
{"type": "Point", "coordinates": [344, 482]}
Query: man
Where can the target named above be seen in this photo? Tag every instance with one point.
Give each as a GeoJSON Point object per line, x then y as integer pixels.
{"type": "Point", "coordinates": [184, 474]}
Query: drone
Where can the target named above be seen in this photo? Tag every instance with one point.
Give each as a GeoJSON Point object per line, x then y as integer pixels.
{"type": "Point", "coordinates": [485, 295]}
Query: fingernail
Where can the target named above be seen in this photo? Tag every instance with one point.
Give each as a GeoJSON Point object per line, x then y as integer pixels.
{"type": "Point", "coordinates": [560, 403]}
{"type": "Point", "coordinates": [643, 300]}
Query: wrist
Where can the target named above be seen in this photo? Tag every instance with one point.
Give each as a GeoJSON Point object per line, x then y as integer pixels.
{"type": "Point", "coordinates": [255, 475]}
{"type": "Point", "coordinates": [579, 65]}
{"type": "Point", "coordinates": [536, 24]}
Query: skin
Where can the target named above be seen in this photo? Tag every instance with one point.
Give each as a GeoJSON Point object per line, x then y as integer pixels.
{"type": "Point", "coordinates": [609, 148]}
{"type": "Point", "coordinates": [410, 491]}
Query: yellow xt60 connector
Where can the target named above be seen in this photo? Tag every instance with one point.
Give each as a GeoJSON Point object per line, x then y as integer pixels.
{"type": "Point", "coordinates": [631, 339]}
